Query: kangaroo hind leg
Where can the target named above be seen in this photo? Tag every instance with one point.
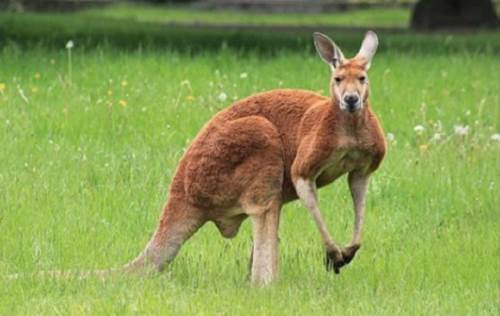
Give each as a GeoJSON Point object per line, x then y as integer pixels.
{"type": "Point", "coordinates": [179, 221]}
{"type": "Point", "coordinates": [264, 258]}
{"type": "Point", "coordinates": [262, 202]}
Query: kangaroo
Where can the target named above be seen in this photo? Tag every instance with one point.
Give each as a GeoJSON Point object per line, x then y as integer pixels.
{"type": "Point", "coordinates": [269, 149]}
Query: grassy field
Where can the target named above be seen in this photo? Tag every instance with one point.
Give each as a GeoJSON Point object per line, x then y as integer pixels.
{"type": "Point", "coordinates": [113, 27]}
{"type": "Point", "coordinates": [89, 147]}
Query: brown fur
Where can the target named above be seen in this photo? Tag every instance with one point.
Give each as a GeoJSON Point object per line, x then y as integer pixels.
{"type": "Point", "coordinates": [246, 157]}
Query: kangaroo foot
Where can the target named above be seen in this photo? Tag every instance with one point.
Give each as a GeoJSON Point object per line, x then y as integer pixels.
{"type": "Point", "coordinates": [336, 259]}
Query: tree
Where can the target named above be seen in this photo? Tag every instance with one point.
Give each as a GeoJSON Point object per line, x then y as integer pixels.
{"type": "Point", "coordinates": [438, 14]}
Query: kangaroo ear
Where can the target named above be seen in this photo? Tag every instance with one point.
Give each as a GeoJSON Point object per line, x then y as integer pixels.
{"type": "Point", "coordinates": [368, 48]}
{"type": "Point", "coordinates": [327, 50]}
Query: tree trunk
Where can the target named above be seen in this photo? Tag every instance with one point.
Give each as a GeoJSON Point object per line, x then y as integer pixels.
{"type": "Point", "coordinates": [453, 14]}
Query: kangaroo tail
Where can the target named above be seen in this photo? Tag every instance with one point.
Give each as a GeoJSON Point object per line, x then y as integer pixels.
{"type": "Point", "coordinates": [65, 274]}
{"type": "Point", "coordinates": [177, 224]}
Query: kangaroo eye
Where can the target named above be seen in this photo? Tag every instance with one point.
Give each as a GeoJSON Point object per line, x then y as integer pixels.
{"type": "Point", "coordinates": [338, 79]}
{"type": "Point", "coordinates": [362, 78]}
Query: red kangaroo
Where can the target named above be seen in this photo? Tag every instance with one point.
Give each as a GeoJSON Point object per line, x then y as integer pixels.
{"type": "Point", "coordinates": [269, 149]}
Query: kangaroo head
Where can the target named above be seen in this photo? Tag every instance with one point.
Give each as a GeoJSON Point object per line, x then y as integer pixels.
{"type": "Point", "coordinates": [349, 81]}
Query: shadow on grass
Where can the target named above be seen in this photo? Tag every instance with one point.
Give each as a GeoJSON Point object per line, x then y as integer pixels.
{"type": "Point", "coordinates": [54, 30]}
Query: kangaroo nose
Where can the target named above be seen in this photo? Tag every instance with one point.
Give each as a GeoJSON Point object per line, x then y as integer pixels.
{"type": "Point", "coordinates": [351, 100]}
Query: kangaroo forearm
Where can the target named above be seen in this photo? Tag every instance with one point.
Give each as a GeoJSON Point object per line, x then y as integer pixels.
{"type": "Point", "coordinates": [307, 193]}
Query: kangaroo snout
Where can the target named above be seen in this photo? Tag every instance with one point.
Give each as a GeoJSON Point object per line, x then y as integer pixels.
{"type": "Point", "coordinates": [352, 102]}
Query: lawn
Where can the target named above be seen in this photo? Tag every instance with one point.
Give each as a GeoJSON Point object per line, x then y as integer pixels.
{"type": "Point", "coordinates": [89, 147]}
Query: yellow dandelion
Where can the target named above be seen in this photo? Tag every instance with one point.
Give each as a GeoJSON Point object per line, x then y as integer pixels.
{"type": "Point", "coordinates": [37, 75]}
{"type": "Point", "coordinates": [34, 89]}
{"type": "Point", "coordinates": [190, 98]}
{"type": "Point", "coordinates": [2, 87]}
{"type": "Point", "coordinates": [123, 102]}
{"type": "Point", "coordinates": [124, 83]}
{"type": "Point", "coordinates": [423, 148]}
{"type": "Point", "coordinates": [110, 92]}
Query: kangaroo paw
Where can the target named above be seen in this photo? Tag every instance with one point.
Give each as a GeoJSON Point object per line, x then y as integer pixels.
{"type": "Point", "coordinates": [334, 260]}
{"type": "Point", "coordinates": [349, 252]}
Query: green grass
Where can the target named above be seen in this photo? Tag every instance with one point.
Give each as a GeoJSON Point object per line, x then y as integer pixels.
{"type": "Point", "coordinates": [87, 160]}
{"type": "Point", "coordinates": [364, 17]}
{"type": "Point", "coordinates": [53, 30]}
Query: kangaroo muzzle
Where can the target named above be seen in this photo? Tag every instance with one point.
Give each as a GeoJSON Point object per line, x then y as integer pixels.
{"type": "Point", "coordinates": [351, 102]}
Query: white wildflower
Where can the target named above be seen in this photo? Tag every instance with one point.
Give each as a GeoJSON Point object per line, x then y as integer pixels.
{"type": "Point", "coordinates": [495, 137]}
{"type": "Point", "coordinates": [419, 129]}
{"type": "Point", "coordinates": [390, 137]}
{"type": "Point", "coordinates": [243, 75]}
{"type": "Point", "coordinates": [222, 97]}
{"type": "Point", "coordinates": [70, 44]}
{"type": "Point", "coordinates": [461, 130]}
{"type": "Point", "coordinates": [436, 137]}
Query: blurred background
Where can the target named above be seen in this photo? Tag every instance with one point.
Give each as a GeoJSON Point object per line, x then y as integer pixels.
{"type": "Point", "coordinates": [255, 24]}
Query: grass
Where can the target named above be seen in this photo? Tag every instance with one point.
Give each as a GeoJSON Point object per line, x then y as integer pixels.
{"type": "Point", "coordinates": [87, 160]}
{"type": "Point", "coordinates": [358, 18]}
{"type": "Point", "coordinates": [90, 30]}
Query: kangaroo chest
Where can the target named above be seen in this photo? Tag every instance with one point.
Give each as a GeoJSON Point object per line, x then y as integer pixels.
{"type": "Point", "coordinates": [341, 162]}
